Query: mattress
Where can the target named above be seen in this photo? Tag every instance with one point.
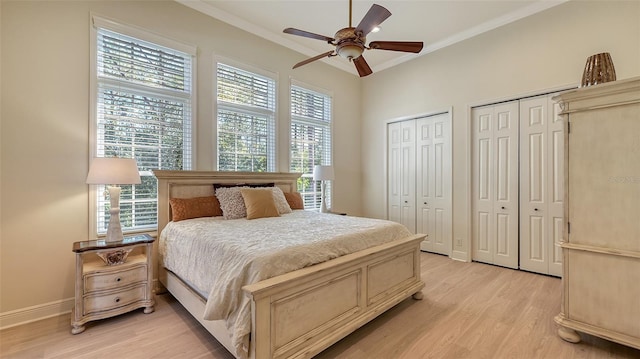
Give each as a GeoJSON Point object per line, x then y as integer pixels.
{"type": "Point", "coordinates": [218, 257]}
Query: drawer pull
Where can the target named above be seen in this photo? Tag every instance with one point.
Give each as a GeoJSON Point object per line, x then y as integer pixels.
{"type": "Point", "coordinates": [117, 299]}
{"type": "Point", "coordinates": [118, 279]}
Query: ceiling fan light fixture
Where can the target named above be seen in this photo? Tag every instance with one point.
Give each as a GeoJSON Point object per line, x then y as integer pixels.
{"type": "Point", "coordinates": [350, 50]}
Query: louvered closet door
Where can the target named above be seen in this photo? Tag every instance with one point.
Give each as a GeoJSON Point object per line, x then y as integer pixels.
{"type": "Point", "coordinates": [541, 185]}
{"type": "Point", "coordinates": [495, 184]}
{"type": "Point", "coordinates": [433, 182]}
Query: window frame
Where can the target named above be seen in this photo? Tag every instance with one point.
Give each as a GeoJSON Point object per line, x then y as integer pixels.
{"type": "Point", "coordinates": [329, 94]}
{"type": "Point", "coordinates": [273, 143]}
{"type": "Point", "coordinates": [97, 21]}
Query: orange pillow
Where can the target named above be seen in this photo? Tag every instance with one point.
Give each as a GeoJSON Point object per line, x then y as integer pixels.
{"type": "Point", "coordinates": [294, 199]}
{"type": "Point", "coordinates": [187, 208]}
{"type": "Point", "coordinates": [259, 203]}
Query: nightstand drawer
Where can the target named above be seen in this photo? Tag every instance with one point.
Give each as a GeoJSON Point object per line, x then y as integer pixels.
{"type": "Point", "coordinates": [104, 302]}
{"type": "Point", "coordinates": [100, 281]}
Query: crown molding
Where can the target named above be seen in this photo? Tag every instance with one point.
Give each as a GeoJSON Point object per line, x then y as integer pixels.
{"type": "Point", "coordinates": [209, 9]}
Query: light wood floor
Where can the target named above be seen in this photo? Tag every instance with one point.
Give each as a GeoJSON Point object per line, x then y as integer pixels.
{"type": "Point", "coordinates": [469, 310]}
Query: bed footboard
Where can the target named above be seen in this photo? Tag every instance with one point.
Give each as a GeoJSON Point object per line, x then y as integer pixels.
{"type": "Point", "coordinates": [299, 314]}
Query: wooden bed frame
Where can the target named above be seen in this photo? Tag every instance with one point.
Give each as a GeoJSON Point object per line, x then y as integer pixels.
{"type": "Point", "coordinates": [298, 314]}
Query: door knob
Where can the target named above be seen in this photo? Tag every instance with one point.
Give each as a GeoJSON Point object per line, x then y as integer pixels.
{"type": "Point", "coordinates": [503, 208]}
{"type": "Point", "coordinates": [425, 202]}
{"type": "Point", "coordinates": [535, 209]}
{"type": "Point", "coordinates": [406, 201]}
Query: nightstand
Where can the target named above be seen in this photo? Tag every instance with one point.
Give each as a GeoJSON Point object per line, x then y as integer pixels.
{"type": "Point", "coordinates": [112, 278]}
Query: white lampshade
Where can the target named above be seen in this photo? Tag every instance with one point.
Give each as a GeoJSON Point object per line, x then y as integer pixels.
{"type": "Point", "coordinates": [322, 173]}
{"type": "Point", "coordinates": [113, 170]}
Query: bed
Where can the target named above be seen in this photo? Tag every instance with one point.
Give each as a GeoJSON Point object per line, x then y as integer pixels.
{"type": "Point", "coordinates": [299, 313]}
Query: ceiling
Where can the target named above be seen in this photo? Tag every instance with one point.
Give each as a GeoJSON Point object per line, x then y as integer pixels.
{"type": "Point", "coordinates": [437, 23]}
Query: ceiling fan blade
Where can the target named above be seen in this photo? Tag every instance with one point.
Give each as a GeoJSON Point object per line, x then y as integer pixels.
{"type": "Point", "coordinates": [362, 66]}
{"type": "Point", "coordinates": [308, 34]}
{"type": "Point", "coordinates": [374, 17]}
{"type": "Point", "coordinates": [326, 54]}
{"type": "Point", "coordinates": [404, 46]}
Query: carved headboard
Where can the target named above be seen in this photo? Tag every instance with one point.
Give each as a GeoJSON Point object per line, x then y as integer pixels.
{"type": "Point", "coordinates": [188, 184]}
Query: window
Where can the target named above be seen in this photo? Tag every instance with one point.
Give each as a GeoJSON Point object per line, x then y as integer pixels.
{"type": "Point", "coordinates": [142, 110]}
{"type": "Point", "coordinates": [246, 120]}
{"type": "Point", "coordinates": [310, 140]}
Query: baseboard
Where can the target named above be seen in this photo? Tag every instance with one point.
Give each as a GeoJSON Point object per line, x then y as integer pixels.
{"type": "Point", "coordinates": [35, 313]}
{"type": "Point", "coordinates": [460, 256]}
{"type": "Point", "coordinates": [42, 311]}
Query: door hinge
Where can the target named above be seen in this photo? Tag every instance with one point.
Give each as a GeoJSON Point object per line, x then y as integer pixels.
{"type": "Point", "coordinates": [568, 227]}
{"type": "Point", "coordinates": [568, 127]}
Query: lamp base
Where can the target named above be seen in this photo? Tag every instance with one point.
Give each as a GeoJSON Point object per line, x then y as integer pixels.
{"type": "Point", "coordinates": [114, 231]}
{"type": "Point", "coordinates": [323, 202]}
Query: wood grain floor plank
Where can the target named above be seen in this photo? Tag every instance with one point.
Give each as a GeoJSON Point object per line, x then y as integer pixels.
{"type": "Point", "coordinates": [469, 311]}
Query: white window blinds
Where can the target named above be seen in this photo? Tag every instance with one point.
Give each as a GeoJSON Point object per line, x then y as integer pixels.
{"type": "Point", "coordinates": [310, 141]}
{"type": "Point", "coordinates": [246, 120]}
{"type": "Point", "coordinates": [143, 111]}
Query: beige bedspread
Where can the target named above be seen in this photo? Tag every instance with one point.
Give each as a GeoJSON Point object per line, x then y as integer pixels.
{"type": "Point", "coordinates": [220, 256]}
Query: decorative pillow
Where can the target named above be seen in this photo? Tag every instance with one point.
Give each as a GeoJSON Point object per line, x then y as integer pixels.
{"type": "Point", "coordinates": [294, 199]}
{"type": "Point", "coordinates": [187, 208]}
{"type": "Point", "coordinates": [259, 203]}
{"type": "Point", "coordinates": [231, 202]}
{"type": "Point", "coordinates": [281, 201]}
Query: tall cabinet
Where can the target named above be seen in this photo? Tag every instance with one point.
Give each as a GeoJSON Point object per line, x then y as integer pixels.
{"type": "Point", "coordinates": [419, 179]}
{"type": "Point", "coordinates": [601, 248]}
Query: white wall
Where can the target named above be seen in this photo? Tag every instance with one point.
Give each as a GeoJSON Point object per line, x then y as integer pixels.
{"type": "Point", "coordinates": [45, 130]}
{"type": "Point", "coordinates": [547, 50]}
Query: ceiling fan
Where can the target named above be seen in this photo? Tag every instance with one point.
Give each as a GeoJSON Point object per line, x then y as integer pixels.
{"type": "Point", "coordinates": [350, 41]}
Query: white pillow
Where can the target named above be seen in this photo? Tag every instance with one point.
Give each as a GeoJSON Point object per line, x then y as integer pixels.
{"type": "Point", "coordinates": [281, 201]}
{"type": "Point", "coordinates": [231, 202]}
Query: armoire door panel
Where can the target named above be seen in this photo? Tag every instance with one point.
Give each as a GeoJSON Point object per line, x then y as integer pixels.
{"type": "Point", "coordinates": [557, 167]}
{"type": "Point", "coordinates": [556, 250]}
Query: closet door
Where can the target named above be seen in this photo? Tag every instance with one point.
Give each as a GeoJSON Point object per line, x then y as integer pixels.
{"type": "Point", "coordinates": [433, 182]}
{"type": "Point", "coordinates": [408, 174]}
{"type": "Point", "coordinates": [541, 185]}
{"type": "Point", "coordinates": [401, 198]}
{"type": "Point", "coordinates": [394, 171]}
{"type": "Point", "coordinates": [495, 184]}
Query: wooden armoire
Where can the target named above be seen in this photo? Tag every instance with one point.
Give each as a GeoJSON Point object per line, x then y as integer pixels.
{"type": "Point", "coordinates": [601, 241]}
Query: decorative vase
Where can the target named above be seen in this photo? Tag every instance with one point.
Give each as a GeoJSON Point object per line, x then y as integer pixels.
{"type": "Point", "coordinates": [598, 69]}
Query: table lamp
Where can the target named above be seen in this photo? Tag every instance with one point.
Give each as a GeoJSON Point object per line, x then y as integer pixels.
{"type": "Point", "coordinates": [113, 171]}
{"type": "Point", "coordinates": [323, 174]}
